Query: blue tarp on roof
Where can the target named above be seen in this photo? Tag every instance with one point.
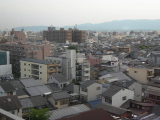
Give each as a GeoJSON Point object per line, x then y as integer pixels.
{"type": "Point", "coordinates": [94, 103]}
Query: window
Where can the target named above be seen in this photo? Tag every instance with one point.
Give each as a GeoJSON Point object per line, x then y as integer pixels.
{"type": "Point", "coordinates": [62, 102]}
{"type": "Point", "coordinates": [24, 63]}
{"type": "Point", "coordinates": [29, 64]}
{"type": "Point", "coordinates": [40, 72]}
{"type": "Point", "coordinates": [56, 103]}
{"type": "Point", "coordinates": [12, 112]}
{"type": "Point", "coordinates": [24, 75]}
{"type": "Point", "coordinates": [84, 90]}
{"type": "Point", "coordinates": [24, 69]}
{"type": "Point", "coordinates": [135, 71]}
{"type": "Point", "coordinates": [98, 88]}
{"type": "Point", "coordinates": [40, 66]}
{"type": "Point", "coordinates": [124, 98]}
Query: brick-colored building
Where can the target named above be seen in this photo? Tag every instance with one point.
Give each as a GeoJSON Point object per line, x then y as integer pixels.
{"type": "Point", "coordinates": [19, 51]}
{"type": "Point", "coordinates": [61, 36]}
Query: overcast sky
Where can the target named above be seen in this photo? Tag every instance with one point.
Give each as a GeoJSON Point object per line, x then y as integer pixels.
{"type": "Point", "coordinates": [14, 13]}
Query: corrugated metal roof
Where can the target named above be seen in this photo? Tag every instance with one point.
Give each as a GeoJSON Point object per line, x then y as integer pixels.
{"type": "Point", "coordinates": [38, 90]}
{"type": "Point", "coordinates": [59, 113]}
{"type": "Point", "coordinates": [28, 82]}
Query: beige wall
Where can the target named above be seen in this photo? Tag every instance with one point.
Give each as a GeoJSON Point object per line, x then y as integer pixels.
{"type": "Point", "coordinates": [17, 113]}
{"type": "Point", "coordinates": [52, 101]}
{"type": "Point", "coordinates": [139, 74]}
{"type": "Point", "coordinates": [26, 70]}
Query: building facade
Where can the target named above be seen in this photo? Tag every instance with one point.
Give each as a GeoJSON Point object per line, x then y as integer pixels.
{"type": "Point", "coordinates": [38, 69]}
{"type": "Point", "coordinates": [62, 36]}
{"type": "Point", "coordinates": [19, 51]}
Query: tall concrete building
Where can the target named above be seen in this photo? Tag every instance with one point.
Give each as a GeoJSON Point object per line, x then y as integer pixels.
{"type": "Point", "coordinates": [19, 51]}
{"type": "Point", "coordinates": [73, 65]}
{"type": "Point", "coordinates": [5, 66]}
{"type": "Point", "coordinates": [62, 36]}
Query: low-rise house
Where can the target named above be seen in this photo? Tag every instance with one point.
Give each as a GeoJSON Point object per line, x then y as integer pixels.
{"type": "Point", "coordinates": [6, 88]}
{"type": "Point", "coordinates": [59, 99]}
{"type": "Point", "coordinates": [90, 90]}
{"type": "Point", "coordinates": [115, 111]}
{"type": "Point", "coordinates": [152, 93]}
{"type": "Point", "coordinates": [116, 96]}
{"type": "Point", "coordinates": [137, 108]}
{"type": "Point", "coordinates": [142, 74]}
{"type": "Point", "coordinates": [19, 89]}
{"type": "Point", "coordinates": [131, 85]}
{"type": "Point", "coordinates": [28, 103]}
{"type": "Point", "coordinates": [11, 104]}
{"type": "Point", "coordinates": [59, 80]}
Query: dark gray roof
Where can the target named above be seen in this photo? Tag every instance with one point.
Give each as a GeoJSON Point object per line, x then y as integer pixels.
{"type": "Point", "coordinates": [88, 83]}
{"type": "Point", "coordinates": [53, 87]}
{"type": "Point", "coordinates": [111, 91]}
{"type": "Point", "coordinates": [17, 84]}
{"type": "Point", "coordinates": [60, 78]}
{"type": "Point", "coordinates": [112, 109]}
{"type": "Point", "coordinates": [7, 87]}
{"type": "Point", "coordinates": [69, 87]}
{"type": "Point", "coordinates": [126, 104]}
{"type": "Point", "coordinates": [155, 110]}
{"type": "Point", "coordinates": [60, 95]}
{"type": "Point", "coordinates": [38, 101]}
{"type": "Point", "coordinates": [124, 83]}
{"type": "Point", "coordinates": [35, 101]}
{"type": "Point", "coordinates": [37, 61]}
{"type": "Point", "coordinates": [29, 82]}
{"type": "Point", "coordinates": [9, 103]}
{"type": "Point", "coordinates": [37, 90]}
{"type": "Point", "coordinates": [20, 92]}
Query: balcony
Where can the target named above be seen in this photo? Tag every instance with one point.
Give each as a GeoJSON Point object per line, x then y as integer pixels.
{"type": "Point", "coordinates": [53, 70]}
{"type": "Point", "coordinates": [86, 74]}
{"type": "Point", "coordinates": [36, 67]}
{"type": "Point", "coordinates": [86, 69]}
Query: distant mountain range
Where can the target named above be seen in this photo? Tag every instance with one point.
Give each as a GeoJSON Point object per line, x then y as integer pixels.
{"type": "Point", "coordinates": [143, 24]}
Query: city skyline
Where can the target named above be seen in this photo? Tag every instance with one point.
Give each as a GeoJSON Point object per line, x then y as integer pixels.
{"type": "Point", "coordinates": [65, 13]}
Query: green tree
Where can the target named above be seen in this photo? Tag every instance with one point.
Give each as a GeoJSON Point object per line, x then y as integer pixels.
{"type": "Point", "coordinates": [39, 114]}
{"type": "Point", "coordinates": [73, 48]}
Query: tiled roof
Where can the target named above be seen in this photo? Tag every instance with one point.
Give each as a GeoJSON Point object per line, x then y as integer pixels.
{"type": "Point", "coordinates": [9, 103]}
{"type": "Point", "coordinates": [60, 95]}
{"type": "Point", "coordinates": [7, 87]}
{"type": "Point", "coordinates": [112, 109]}
{"type": "Point", "coordinates": [111, 91]}
{"type": "Point", "coordinates": [35, 101]}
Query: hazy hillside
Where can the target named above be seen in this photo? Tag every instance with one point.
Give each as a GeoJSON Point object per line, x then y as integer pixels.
{"type": "Point", "coordinates": [113, 25]}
